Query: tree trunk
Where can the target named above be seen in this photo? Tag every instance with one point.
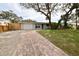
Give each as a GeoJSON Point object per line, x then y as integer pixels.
{"type": "Point", "coordinates": [76, 22]}
{"type": "Point", "coordinates": [76, 18]}
{"type": "Point", "coordinates": [50, 24]}
{"type": "Point", "coordinates": [65, 24]}
{"type": "Point", "coordinates": [59, 22]}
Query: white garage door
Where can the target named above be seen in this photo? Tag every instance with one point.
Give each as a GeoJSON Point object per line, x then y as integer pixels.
{"type": "Point", "coordinates": [27, 26]}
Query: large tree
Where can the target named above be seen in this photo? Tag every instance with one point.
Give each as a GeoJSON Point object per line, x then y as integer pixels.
{"type": "Point", "coordinates": [9, 15]}
{"type": "Point", "coordinates": [44, 8]}
{"type": "Point", "coordinates": [68, 14]}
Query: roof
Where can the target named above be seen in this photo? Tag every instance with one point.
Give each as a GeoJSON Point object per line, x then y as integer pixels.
{"type": "Point", "coordinates": [4, 20]}
{"type": "Point", "coordinates": [41, 23]}
{"type": "Point", "coordinates": [34, 22]}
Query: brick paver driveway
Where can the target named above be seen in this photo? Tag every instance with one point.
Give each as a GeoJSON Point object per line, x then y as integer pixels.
{"type": "Point", "coordinates": [23, 43]}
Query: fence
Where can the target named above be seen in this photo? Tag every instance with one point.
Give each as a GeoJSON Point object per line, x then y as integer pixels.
{"type": "Point", "coordinates": [10, 26]}
{"type": "Point", "coordinates": [14, 26]}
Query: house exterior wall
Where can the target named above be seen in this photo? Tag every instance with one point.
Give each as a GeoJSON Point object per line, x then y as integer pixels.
{"type": "Point", "coordinates": [38, 26]}
{"type": "Point", "coordinates": [27, 26]}
{"type": "Point", "coordinates": [74, 25]}
{"type": "Point", "coordinates": [42, 26]}
{"type": "Point", "coordinates": [33, 26]}
{"type": "Point", "coordinates": [45, 26]}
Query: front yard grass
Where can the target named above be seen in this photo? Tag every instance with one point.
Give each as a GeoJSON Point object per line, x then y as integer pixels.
{"type": "Point", "coordinates": [67, 40]}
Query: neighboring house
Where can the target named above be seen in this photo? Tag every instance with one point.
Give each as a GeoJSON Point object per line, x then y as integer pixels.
{"type": "Point", "coordinates": [73, 24]}
{"type": "Point", "coordinates": [34, 25]}
{"type": "Point", "coordinates": [4, 22]}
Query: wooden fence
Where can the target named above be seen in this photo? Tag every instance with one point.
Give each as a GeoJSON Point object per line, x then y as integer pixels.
{"type": "Point", "coordinates": [3, 28]}
{"type": "Point", "coordinates": [10, 26]}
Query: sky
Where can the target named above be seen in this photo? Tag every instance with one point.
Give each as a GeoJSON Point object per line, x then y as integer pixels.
{"type": "Point", "coordinates": [27, 13]}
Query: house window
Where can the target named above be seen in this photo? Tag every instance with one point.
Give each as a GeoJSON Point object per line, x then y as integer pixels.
{"type": "Point", "coordinates": [37, 26]}
{"type": "Point", "coordinates": [47, 24]}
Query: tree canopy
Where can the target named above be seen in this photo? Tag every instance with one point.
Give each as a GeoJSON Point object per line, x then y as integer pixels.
{"type": "Point", "coordinates": [43, 8]}
{"type": "Point", "coordinates": [69, 15]}
{"type": "Point", "coordinates": [9, 15]}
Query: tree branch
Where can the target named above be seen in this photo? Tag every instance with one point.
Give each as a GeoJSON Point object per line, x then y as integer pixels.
{"type": "Point", "coordinates": [53, 7]}
{"type": "Point", "coordinates": [40, 10]}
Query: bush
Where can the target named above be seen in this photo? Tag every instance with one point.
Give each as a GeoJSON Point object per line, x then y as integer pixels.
{"type": "Point", "coordinates": [54, 25]}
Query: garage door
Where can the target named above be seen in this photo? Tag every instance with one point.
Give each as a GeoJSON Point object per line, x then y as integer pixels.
{"type": "Point", "coordinates": [27, 26]}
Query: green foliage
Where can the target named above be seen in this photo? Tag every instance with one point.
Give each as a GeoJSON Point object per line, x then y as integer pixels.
{"type": "Point", "coordinates": [9, 15]}
{"type": "Point", "coordinates": [54, 24]}
{"type": "Point", "coordinates": [67, 40]}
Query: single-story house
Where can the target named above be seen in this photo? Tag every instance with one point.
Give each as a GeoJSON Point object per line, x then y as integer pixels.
{"type": "Point", "coordinates": [73, 24]}
{"type": "Point", "coordinates": [28, 25]}
{"type": "Point", "coordinates": [34, 25]}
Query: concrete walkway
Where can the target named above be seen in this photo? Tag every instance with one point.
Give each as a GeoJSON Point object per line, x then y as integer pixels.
{"type": "Point", "coordinates": [27, 43]}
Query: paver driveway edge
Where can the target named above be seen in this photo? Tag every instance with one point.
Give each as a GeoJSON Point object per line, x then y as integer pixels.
{"type": "Point", "coordinates": [58, 49]}
{"type": "Point", "coordinates": [37, 45]}
{"type": "Point", "coordinates": [27, 43]}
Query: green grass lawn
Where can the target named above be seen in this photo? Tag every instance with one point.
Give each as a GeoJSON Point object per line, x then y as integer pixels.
{"type": "Point", "coordinates": [67, 40]}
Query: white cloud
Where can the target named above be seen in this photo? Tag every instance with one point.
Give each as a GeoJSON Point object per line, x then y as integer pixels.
{"type": "Point", "coordinates": [29, 13]}
{"type": "Point", "coordinates": [26, 13]}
